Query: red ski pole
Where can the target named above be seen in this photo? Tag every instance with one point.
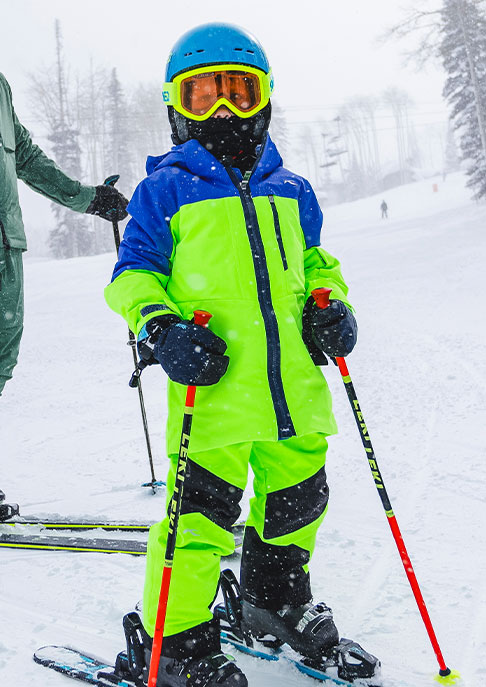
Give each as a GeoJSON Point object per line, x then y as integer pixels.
{"type": "Point", "coordinates": [202, 318]}
{"type": "Point", "coordinates": [445, 676]}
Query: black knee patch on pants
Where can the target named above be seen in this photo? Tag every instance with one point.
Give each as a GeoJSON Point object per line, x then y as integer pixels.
{"type": "Point", "coordinates": [272, 576]}
{"type": "Point", "coordinates": [210, 495]}
{"type": "Point", "coordinates": [290, 509]}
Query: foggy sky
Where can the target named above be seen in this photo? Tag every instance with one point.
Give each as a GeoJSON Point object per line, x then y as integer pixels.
{"type": "Point", "coordinates": [321, 52]}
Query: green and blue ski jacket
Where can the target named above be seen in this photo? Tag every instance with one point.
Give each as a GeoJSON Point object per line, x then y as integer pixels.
{"type": "Point", "coordinates": [248, 251]}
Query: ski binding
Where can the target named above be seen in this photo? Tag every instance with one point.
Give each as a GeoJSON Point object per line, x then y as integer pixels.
{"type": "Point", "coordinates": [347, 665]}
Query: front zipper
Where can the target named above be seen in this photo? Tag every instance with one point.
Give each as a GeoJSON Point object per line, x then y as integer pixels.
{"type": "Point", "coordinates": [278, 233]}
{"type": "Point", "coordinates": [284, 421]}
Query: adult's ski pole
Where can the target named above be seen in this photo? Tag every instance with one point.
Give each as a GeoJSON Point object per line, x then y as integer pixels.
{"type": "Point", "coordinates": [445, 676]}
{"type": "Point", "coordinates": [202, 318]}
{"type": "Point", "coordinates": [132, 342]}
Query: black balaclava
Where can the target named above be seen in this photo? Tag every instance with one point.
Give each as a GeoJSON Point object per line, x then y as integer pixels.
{"type": "Point", "coordinates": [233, 138]}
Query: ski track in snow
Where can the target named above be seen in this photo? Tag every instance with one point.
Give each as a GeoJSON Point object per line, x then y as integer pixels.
{"type": "Point", "coordinates": [72, 444]}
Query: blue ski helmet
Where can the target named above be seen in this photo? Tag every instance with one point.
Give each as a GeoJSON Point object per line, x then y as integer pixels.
{"type": "Point", "coordinates": [215, 43]}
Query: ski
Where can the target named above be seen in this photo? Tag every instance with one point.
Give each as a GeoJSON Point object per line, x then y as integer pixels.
{"type": "Point", "coordinates": [80, 666]}
{"type": "Point", "coordinates": [75, 544]}
{"type": "Point", "coordinates": [50, 542]}
{"type": "Point", "coordinates": [327, 671]}
{"type": "Point", "coordinates": [87, 668]}
{"type": "Point", "coordinates": [79, 525]}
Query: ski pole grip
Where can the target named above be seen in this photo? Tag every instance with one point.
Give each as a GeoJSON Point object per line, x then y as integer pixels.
{"type": "Point", "coordinates": [202, 317]}
{"type": "Point", "coordinates": [321, 297]}
{"type": "Point", "coordinates": [111, 181]}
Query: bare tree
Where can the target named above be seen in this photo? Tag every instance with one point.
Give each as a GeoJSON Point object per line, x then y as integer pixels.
{"type": "Point", "coordinates": [399, 103]}
{"type": "Point", "coordinates": [424, 25]}
{"type": "Point", "coordinates": [357, 124]}
{"type": "Point", "coordinates": [151, 133]}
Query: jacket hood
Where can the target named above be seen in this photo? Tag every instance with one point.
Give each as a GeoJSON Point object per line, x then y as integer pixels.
{"type": "Point", "coordinates": [194, 158]}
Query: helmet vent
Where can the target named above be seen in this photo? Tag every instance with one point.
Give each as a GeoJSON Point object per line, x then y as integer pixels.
{"type": "Point", "coordinates": [212, 44]}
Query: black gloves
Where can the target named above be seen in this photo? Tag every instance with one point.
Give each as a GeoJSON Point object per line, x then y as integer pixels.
{"type": "Point", "coordinates": [189, 353]}
{"type": "Point", "coordinates": [332, 330]}
{"type": "Point", "coordinates": [108, 203]}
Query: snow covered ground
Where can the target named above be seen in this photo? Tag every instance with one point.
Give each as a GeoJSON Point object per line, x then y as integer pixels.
{"type": "Point", "coordinates": [71, 443]}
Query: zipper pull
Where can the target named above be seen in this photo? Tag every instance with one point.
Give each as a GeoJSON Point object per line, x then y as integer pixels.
{"type": "Point", "coordinates": [245, 180]}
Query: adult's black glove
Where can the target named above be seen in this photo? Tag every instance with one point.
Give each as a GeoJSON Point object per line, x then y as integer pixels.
{"type": "Point", "coordinates": [108, 203]}
{"type": "Point", "coordinates": [334, 329]}
{"type": "Point", "coordinates": [188, 352]}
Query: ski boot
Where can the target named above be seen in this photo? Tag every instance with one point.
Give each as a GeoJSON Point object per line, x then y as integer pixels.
{"type": "Point", "coordinates": [7, 510]}
{"type": "Point", "coordinates": [308, 629]}
{"type": "Point", "coordinates": [212, 670]}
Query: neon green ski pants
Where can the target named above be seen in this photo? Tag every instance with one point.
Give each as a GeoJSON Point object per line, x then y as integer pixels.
{"type": "Point", "coordinates": [289, 504]}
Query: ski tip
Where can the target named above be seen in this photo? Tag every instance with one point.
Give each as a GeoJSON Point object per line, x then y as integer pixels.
{"type": "Point", "coordinates": [452, 678]}
{"type": "Point", "coordinates": [46, 654]}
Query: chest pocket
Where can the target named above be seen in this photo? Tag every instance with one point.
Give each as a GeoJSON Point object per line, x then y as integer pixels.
{"type": "Point", "coordinates": [278, 232]}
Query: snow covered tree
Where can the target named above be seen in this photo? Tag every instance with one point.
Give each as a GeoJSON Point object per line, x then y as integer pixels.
{"type": "Point", "coordinates": [118, 158]}
{"type": "Point", "coordinates": [463, 51]}
{"type": "Point", "coordinates": [455, 32]}
{"type": "Point", "coordinates": [451, 157]}
{"type": "Point", "coordinates": [72, 235]}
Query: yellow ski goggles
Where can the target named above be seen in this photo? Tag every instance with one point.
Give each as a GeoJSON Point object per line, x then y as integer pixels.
{"type": "Point", "coordinates": [198, 93]}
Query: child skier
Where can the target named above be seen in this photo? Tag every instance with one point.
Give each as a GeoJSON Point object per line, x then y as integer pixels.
{"type": "Point", "coordinates": [220, 225]}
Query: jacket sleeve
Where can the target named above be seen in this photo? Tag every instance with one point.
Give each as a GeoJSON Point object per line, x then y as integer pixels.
{"type": "Point", "coordinates": [320, 267]}
{"type": "Point", "coordinates": [43, 175]}
{"type": "Point", "coordinates": [324, 270]}
{"type": "Point", "coordinates": [137, 290]}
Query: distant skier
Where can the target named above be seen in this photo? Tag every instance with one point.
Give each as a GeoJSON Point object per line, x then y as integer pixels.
{"type": "Point", "coordinates": [384, 210]}
{"type": "Point", "coordinates": [220, 225]}
{"type": "Point", "coordinates": [21, 158]}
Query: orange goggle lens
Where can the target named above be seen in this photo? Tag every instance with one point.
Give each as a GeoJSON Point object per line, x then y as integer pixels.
{"type": "Point", "coordinates": [200, 92]}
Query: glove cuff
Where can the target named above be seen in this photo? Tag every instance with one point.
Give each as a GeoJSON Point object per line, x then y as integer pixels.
{"type": "Point", "coordinates": [151, 333]}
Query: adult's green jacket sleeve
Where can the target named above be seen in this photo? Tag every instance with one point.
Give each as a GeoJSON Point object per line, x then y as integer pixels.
{"type": "Point", "coordinates": [20, 158]}
{"type": "Point", "coordinates": [44, 176]}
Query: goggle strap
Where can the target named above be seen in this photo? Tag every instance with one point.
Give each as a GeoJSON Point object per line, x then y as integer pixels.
{"type": "Point", "coordinates": [169, 93]}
